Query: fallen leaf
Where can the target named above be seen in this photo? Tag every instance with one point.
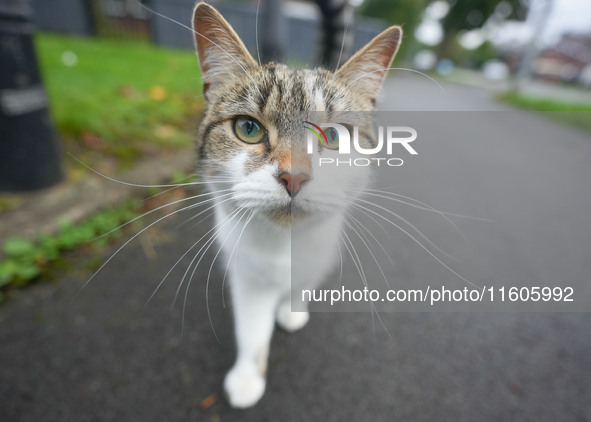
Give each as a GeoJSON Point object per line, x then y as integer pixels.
{"type": "Point", "coordinates": [165, 131]}
{"type": "Point", "coordinates": [158, 93]}
{"type": "Point", "coordinates": [93, 141]}
{"type": "Point", "coordinates": [127, 91]}
{"type": "Point", "coordinates": [208, 401]}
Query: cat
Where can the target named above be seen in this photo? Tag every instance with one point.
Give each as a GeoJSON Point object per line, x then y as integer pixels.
{"type": "Point", "coordinates": [279, 207]}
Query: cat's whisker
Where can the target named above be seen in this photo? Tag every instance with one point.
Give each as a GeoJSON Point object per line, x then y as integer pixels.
{"type": "Point", "coordinates": [368, 249]}
{"type": "Point", "coordinates": [342, 90]}
{"type": "Point", "coordinates": [340, 264]}
{"type": "Point", "coordinates": [214, 199]}
{"type": "Point", "coordinates": [162, 192]}
{"type": "Point", "coordinates": [256, 31]}
{"type": "Point", "coordinates": [380, 225]}
{"type": "Point", "coordinates": [396, 68]}
{"type": "Point", "coordinates": [418, 243]}
{"type": "Point", "coordinates": [171, 188]}
{"type": "Point", "coordinates": [374, 310]}
{"type": "Point", "coordinates": [185, 254]}
{"type": "Point", "coordinates": [210, 240]}
{"type": "Point", "coordinates": [433, 245]}
{"type": "Point", "coordinates": [365, 229]}
{"type": "Point", "coordinates": [359, 267]}
{"type": "Point", "coordinates": [349, 19]}
{"type": "Point", "coordinates": [355, 257]}
{"type": "Point", "coordinates": [207, 283]}
{"type": "Point", "coordinates": [204, 218]}
{"type": "Point", "coordinates": [250, 217]}
{"type": "Point", "coordinates": [409, 224]}
{"type": "Point", "coordinates": [129, 241]}
{"type": "Point", "coordinates": [159, 208]}
{"type": "Point", "coordinates": [137, 185]}
{"type": "Point", "coordinates": [377, 314]}
{"type": "Point", "coordinates": [423, 206]}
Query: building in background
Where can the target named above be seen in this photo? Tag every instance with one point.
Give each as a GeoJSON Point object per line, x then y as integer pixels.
{"type": "Point", "coordinates": [569, 60]}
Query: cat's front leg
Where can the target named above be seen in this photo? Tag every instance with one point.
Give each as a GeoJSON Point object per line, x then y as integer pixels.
{"type": "Point", "coordinates": [288, 320]}
{"type": "Point", "coordinates": [254, 319]}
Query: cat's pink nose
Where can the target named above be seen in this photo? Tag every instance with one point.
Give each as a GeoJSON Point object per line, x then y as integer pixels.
{"type": "Point", "coordinates": [292, 183]}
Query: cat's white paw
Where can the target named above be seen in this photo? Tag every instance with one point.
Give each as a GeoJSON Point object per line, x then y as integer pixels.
{"type": "Point", "coordinates": [244, 387]}
{"type": "Point", "coordinates": [291, 321]}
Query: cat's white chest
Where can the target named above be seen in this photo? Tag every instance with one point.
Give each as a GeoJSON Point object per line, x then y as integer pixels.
{"type": "Point", "coordinates": [262, 252]}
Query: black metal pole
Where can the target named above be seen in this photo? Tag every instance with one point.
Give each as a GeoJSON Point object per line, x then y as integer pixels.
{"type": "Point", "coordinates": [338, 32]}
{"type": "Point", "coordinates": [29, 152]}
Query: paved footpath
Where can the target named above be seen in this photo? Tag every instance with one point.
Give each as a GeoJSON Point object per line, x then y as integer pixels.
{"type": "Point", "coordinates": [105, 356]}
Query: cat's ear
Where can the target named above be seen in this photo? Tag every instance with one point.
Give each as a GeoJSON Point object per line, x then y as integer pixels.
{"type": "Point", "coordinates": [365, 71]}
{"type": "Point", "coordinates": [220, 50]}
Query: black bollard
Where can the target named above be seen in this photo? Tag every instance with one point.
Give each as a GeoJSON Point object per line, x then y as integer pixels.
{"type": "Point", "coordinates": [29, 151]}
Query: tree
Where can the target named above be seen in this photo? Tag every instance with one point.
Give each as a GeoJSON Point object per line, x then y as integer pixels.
{"type": "Point", "coordinates": [406, 13]}
{"type": "Point", "coordinates": [463, 15]}
{"type": "Point", "coordinates": [471, 14]}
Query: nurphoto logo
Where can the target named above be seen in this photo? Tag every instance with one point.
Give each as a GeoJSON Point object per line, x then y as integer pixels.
{"type": "Point", "coordinates": [338, 137]}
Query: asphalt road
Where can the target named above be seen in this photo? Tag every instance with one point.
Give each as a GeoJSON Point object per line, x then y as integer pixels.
{"type": "Point", "coordinates": [105, 356]}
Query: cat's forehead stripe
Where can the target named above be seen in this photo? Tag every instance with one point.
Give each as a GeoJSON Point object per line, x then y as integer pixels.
{"type": "Point", "coordinates": [279, 89]}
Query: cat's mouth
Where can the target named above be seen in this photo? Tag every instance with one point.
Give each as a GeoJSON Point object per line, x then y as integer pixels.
{"type": "Point", "coordinates": [288, 213]}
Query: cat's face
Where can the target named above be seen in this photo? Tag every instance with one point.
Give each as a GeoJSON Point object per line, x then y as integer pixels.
{"type": "Point", "coordinates": [253, 139]}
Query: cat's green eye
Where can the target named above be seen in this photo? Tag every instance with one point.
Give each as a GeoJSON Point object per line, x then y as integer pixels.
{"type": "Point", "coordinates": [249, 130]}
{"type": "Point", "coordinates": [332, 136]}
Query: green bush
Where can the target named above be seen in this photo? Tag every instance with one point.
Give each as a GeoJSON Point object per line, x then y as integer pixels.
{"type": "Point", "coordinates": [24, 259]}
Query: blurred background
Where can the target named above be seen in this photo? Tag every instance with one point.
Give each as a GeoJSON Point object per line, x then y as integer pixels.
{"type": "Point", "coordinates": [546, 39]}
{"type": "Point", "coordinates": [99, 103]}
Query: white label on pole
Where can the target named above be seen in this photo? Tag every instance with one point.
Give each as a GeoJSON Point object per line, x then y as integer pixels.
{"type": "Point", "coordinates": [15, 102]}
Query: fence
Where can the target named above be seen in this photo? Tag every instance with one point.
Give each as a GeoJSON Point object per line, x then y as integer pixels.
{"type": "Point", "coordinates": [128, 19]}
{"type": "Point", "coordinates": [110, 18]}
{"type": "Point", "coordinates": [65, 16]}
{"type": "Point", "coordinates": [120, 18]}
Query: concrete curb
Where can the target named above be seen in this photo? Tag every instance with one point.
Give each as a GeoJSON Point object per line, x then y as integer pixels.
{"type": "Point", "coordinates": [41, 212]}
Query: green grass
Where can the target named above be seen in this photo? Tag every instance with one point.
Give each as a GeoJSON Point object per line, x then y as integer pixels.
{"type": "Point", "coordinates": [575, 114]}
{"type": "Point", "coordinates": [27, 260]}
{"type": "Point", "coordinates": [121, 97]}
{"type": "Point", "coordinates": [23, 260]}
